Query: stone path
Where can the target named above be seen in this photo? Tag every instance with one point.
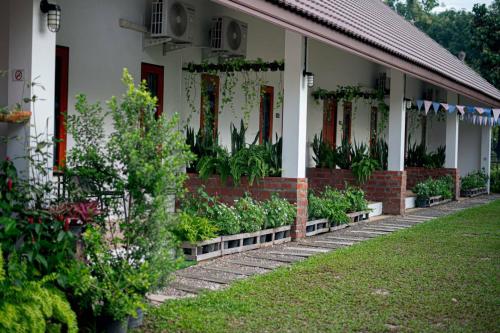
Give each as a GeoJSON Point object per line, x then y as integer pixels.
{"type": "Point", "coordinates": [219, 273]}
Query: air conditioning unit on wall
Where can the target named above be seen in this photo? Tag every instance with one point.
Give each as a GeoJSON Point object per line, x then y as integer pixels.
{"type": "Point", "coordinates": [228, 36]}
{"type": "Point", "coordinates": [173, 19]}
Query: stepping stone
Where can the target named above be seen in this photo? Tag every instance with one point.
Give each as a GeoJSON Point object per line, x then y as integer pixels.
{"type": "Point", "coordinates": [307, 249]}
{"type": "Point", "coordinates": [272, 257]}
{"type": "Point", "coordinates": [313, 244]}
{"type": "Point", "coordinates": [354, 239]}
{"type": "Point", "coordinates": [395, 226]}
{"type": "Point", "coordinates": [285, 253]}
{"type": "Point", "coordinates": [186, 288]}
{"type": "Point", "coordinates": [381, 228]}
{"type": "Point", "coordinates": [228, 270]}
{"type": "Point", "coordinates": [201, 277]}
{"type": "Point", "coordinates": [253, 264]}
{"type": "Point", "coordinates": [369, 232]}
{"type": "Point", "coordinates": [337, 243]}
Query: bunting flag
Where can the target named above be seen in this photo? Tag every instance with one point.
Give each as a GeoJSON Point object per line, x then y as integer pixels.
{"type": "Point", "coordinates": [445, 106]}
{"type": "Point", "coordinates": [496, 113]}
{"type": "Point", "coordinates": [451, 108]}
{"type": "Point", "coordinates": [427, 106]}
{"type": "Point", "coordinates": [419, 104]}
{"type": "Point", "coordinates": [479, 110]}
{"type": "Point", "coordinates": [435, 106]}
{"type": "Point", "coordinates": [469, 109]}
{"type": "Point", "coordinates": [461, 109]}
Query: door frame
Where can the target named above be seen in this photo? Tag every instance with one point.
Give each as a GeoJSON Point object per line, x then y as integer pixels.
{"type": "Point", "coordinates": [330, 106]}
{"type": "Point", "coordinates": [63, 53]}
{"type": "Point", "coordinates": [160, 71]}
{"type": "Point", "coordinates": [216, 81]}
{"type": "Point", "coordinates": [266, 90]}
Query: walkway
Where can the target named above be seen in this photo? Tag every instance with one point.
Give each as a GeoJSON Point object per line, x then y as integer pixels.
{"type": "Point", "coordinates": [221, 272]}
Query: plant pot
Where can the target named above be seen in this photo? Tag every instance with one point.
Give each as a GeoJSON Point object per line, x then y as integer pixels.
{"type": "Point", "coordinates": [136, 322]}
{"type": "Point", "coordinates": [16, 117]}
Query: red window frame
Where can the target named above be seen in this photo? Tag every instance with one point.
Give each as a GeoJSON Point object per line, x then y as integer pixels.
{"type": "Point", "coordinates": [330, 121]}
{"type": "Point", "coordinates": [210, 79]}
{"type": "Point", "coordinates": [159, 71]}
{"type": "Point", "coordinates": [373, 126]}
{"type": "Point", "coordinates": [62, 56]}
{"type": "Point", "coordinates": [347, 122]}
{"type": "Point", "coordinates": [266, 90]}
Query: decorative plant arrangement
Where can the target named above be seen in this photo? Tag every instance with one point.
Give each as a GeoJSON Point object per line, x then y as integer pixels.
{"type": "Point", "coordinates": [417, 156]}
{"type": "Point", "coordinates": [337, 207]}
{"type": "Point", "coordinates": [17, 113]}
{"type": "Point", "coordinates": [249, 74]}
{"type": "Point", "coordinates": [358, 158]}
{"type": "Point", "coordinates": [434, 191]}
{"type": "Point", "coordinates": [474, 184]}
{"type": "Point", "coordinates": [208, 228]}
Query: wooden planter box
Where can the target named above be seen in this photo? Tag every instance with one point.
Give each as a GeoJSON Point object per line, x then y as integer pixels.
{"type": "Point", "coordinates": [315, 227]}
{"type": "Point", "coordinates": [282, 234]}
{"type": "Point", "coordinates": [474, 192]}
{"type": "Point", "coordinates": [358, 216]}
{"type": "Point", "coordinates": [432, 201]}
{"type": "Point", "coordinates": [203, 250]}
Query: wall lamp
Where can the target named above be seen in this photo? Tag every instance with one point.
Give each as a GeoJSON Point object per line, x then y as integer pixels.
{"type": "Point", "coordinates": [53, 12]}
{"type": "Point", "coordinates": [308, 75]}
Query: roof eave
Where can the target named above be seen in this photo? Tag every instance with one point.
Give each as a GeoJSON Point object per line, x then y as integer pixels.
{"type": "Point", "coordinates": [301, 24]}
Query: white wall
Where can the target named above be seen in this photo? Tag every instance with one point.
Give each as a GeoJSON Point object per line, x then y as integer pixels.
{"type": "Point", "coordinates": [4, 65]}
{"type": "Point", "coordinates": [469, 147]}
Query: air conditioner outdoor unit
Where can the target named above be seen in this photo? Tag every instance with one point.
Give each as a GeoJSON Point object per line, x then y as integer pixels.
{"type": "Point", "coordinates": [173, 19]}
{"type": "Point", "coordinates": [228, 36]}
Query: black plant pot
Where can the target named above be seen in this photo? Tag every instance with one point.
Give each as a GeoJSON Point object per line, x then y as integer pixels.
{"type": "Point", "coordinates": [136, 322]}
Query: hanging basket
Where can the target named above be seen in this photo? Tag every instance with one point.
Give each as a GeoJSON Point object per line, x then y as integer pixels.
{"type": "Point", "coordinates": [16, 117]}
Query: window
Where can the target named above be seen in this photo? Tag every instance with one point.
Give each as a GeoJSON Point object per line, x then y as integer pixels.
{"type": "Point", "coordinates": [209, 104]}
{"type": "Point", "coordinates": [60, 106]}
{"type": "Point", "coordinates": [347, 122]}
{"type": "Point", "coordinates": [373, 126]}
{"type": "Point", "coordinates": [266, 114]}
{"type": "Point", "coordinates": [330, 121]}
{"type": "Point", "coordinates": [153, 75]}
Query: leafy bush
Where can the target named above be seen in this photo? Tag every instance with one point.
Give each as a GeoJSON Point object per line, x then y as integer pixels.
{"type": "Point", "coordinates": [379, 151]}
{"type": "Point", "coordinates": [417, 156]}
{"type": "Point", "coordinates": [476, 179]}
{"type": "Point", "coordinates": [324, 154]}
{"type": "Point", "coordinates": [251, 214]}
{"type": "Point", "coordinates": [249, 161]}
{"type": "Point", "coordinates": [225, 219]}
{"type": "Point", "coordinates": [194, 229]}
{"type": "Point", "coordinates": [343, 154]}
{"type": "Point", "coordinates": [356, 199]}
{"type": "Point", "coordinates": [435, 187]}
{"type": "Point", "coordinates": [495, 180]}
{"type": "Point", "coordinates": [279, 212]}
{"type": "Point", "coordinates": [363, 169]}
{"type": "Point", "coordinates": [331, 204]}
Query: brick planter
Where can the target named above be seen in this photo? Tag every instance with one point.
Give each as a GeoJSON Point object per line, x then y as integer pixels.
{"type": "Point", "coordinates": [415, 175]}
{"type": "Point", "coordinates": [388, 187]}
{"type": "Point", "coordinates": [292, 189]}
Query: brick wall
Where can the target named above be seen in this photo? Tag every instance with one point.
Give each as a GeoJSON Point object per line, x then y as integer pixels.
{"type": "Point", "coordinates": [292, 189]}
{"type": "Point", "coordinates": [388, 187]}
{"type": "Point", "coordinates": [416, 175]}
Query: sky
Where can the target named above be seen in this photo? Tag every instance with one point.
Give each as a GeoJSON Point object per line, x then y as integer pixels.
{"type": "Point", "coordinates": [459, 4]}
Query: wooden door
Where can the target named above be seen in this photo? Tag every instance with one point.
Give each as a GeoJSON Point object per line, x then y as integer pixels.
{"type": "Point", "coordinates": [60, 106]}
{"type": "Point", "coordinates": [154, 76]}
{"type": "Point", "coordinates": [266, 114]}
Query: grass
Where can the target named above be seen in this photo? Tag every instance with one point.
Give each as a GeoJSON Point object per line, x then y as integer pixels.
{"type": "Point", "coordinates": [441, 276]}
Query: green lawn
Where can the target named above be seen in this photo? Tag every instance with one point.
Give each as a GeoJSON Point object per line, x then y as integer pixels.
{"type": "Point", "coordinates": [439, 276]}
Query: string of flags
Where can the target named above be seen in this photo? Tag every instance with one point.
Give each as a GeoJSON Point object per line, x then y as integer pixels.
{"type": "Point", "coordinates": [473, 114]}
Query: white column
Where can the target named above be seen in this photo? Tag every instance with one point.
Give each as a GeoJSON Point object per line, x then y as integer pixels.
{"type": "Point", "coordinates": [32, 50]}
{"type": "Point", "coordinates": [451, 134]}
{"type": "Point", "coordinates": [397, 115]}
{"type": "Point", "coordinates": [294, 108]}
{"type": "Point", "coordinates": [486, 151]}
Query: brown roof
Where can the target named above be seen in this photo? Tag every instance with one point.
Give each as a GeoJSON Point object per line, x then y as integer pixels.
{"type": "Point", "coordinates": [372, 23]}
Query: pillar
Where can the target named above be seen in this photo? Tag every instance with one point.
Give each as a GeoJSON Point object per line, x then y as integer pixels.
{"type": "Point", "coordinates": [397, 115]}
{"type": "Point", "coordinates": [486, 151]}
{"type": "Point", "coordinates": [452, 134]}
{"type": "Point", "coordinates": [32, 50]}
{"type": "Point", "coordinates": [295, 126]}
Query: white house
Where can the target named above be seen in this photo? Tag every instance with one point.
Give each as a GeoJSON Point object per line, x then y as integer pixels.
{"type": "Point", "coordinates": [343, 43]}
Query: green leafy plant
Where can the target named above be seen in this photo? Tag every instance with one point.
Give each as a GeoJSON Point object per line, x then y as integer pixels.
{"type": "Point", "coordinates": [279, 212]}
{"type": "Point", "coordinates": [330, 204]}
{"type": "Point", "coordinates": [434, 187]}
{"type": "Point", "coordinates": [226, 219]}
{"type": "Point", "coordinates": [192, 228]}
{"type": "Point", "coordinates": [324, 154]}
{"type": "Point", "coordinates": [495, 180]}
{"type": "Point", "coordinates": [363, 169]}
{"type": "Point", "coordinates": [251, 214]}
{"type": "Point", "coordinates": [249, 161]}
{"type": "Point", "coordinates": [356, 199]}
{"type": "Point", "coordinates": [417, 156]}
{"type": "Point", "coordinates": [475, 179]}
{"type": "Point", "coordinates": [344, 154]}
{"type": "Point", "coordinates": [379, 151]}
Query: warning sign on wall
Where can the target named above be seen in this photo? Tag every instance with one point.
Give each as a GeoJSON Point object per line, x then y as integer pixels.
{"type": "Point", "coordinates": [18, 75]}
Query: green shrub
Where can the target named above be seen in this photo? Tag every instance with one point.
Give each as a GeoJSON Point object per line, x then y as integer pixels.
{"type": "Point", "coordinates": [331, 204]}
{"type": "Point", "coordinates": [363, 169]}
{"type": "Point", "coordinates": [495, 180]}
{"type": "Point", "coordinates": [194, 229]}
{"type": "Point", "coordinates": [324, 154]}
{"type": "Point", "coordinates": [476, 179]}
{"type": "Point", "coordinates": [225, 219]}
{"type": "Point", "coordinates": [435, 187]}
{"type": "Point", "coordinates": [279, 212]}
{"type": "Point", "coordinates": [356, 199]}
{"type": "Point", "coordinates": [251, 214]}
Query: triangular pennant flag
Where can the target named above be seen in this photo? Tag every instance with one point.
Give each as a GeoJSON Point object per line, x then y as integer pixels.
{"type": "Point", "coordinates": [460, 109]}
{"type": "Point", "coordinates": [451, 108]}
{"type": "Point", "coordinates": [487, 112]}
{"type": "Point", "coordinates": [496, 113]}
{"type": "Point", "coordinates": [435, 106]}
{"type": "Point", "coordinates": [427, 106]}
{"type": "Point", "coordinates": [445, 106]}
{"type": "Point", "coordinates": [419, 104]}
{"type": "Point", "coordinates": [470, 109]}
{"type": "Point", "coordinates": [479, 110]}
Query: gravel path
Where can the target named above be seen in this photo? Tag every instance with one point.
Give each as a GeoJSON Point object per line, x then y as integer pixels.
{"type": "Point", "coordinates": [219, 273]}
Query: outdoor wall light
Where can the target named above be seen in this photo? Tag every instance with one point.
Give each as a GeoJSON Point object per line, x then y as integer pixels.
{"type": "Point", "coordinates": [309, 78]}
{"type": "Point", "coordinates": [53, 12]}
{"type": "Point", "coordinates": [408, 103]}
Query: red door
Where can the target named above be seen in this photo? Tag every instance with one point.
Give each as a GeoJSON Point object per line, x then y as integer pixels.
{"type": "Point", "coordinates": [154, 75]}
{"type": "Point", "coordinates": [60, 106]}
{"type": "Point", "coordinates": [266, 114]}
{"type": "Point", "coordinates": [330, 121]}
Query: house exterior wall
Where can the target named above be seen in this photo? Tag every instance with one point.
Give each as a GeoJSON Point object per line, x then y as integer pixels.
{"type": "Point", "coordinates": [4, 64]}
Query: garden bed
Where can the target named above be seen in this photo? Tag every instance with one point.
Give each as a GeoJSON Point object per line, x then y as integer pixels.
{"type": "Point", "coordinates": [474, 192]}
{"type": "Point", "coordinates": [359, 216]}
{"type": "Point", "coordinates": [431, 201]}
{"type": "Point", "coordinates": [243, 242]}
{"type": "Point", "coordinates": [316, 227]}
